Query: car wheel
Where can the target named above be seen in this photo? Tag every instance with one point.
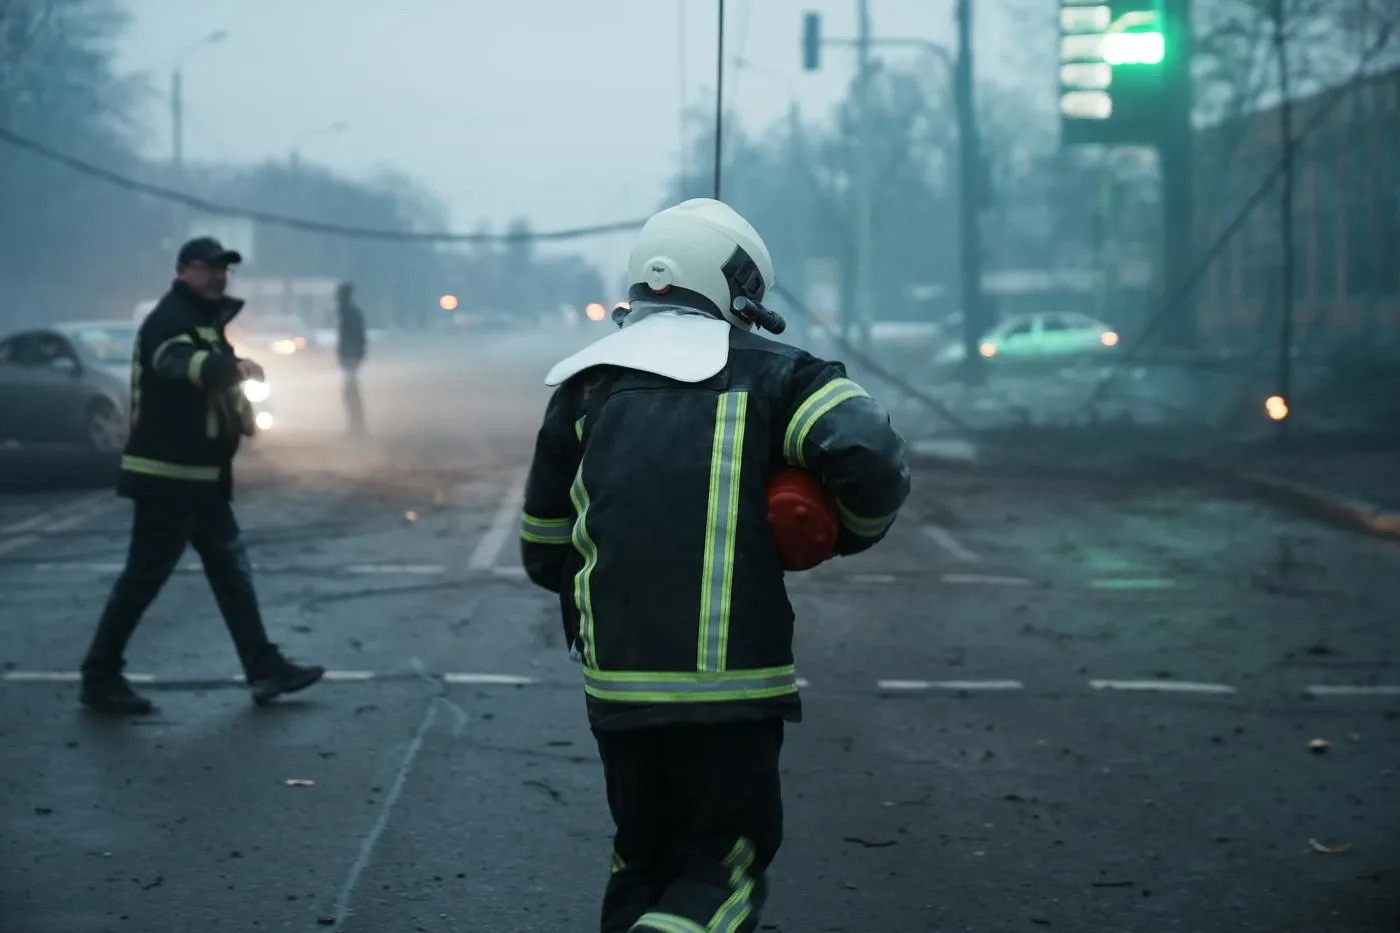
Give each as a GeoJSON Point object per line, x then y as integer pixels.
{"type": "Point", "coordinates": [106, 428]}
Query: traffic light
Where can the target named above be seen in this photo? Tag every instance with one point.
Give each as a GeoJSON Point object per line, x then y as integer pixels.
{"type": "Point", "coordinates": [1113, 55]}
{"type": "Point", "coordinates": [811, 41]}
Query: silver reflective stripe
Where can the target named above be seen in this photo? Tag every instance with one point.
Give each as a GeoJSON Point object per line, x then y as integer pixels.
{"type": "Point", "coordinates": [546, 530]}
{"type": "Point", "coordinates": [721, 524]}
{"type": "Point", "coordinates": [684, 686]}
{"type": "Point", "coordinates": [864, 527]}
{"type": "Point", "coordinates": [813, 410]}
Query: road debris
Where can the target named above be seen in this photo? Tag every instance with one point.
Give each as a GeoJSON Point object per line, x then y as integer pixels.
{"type": "Point", "coordinates": [1329, 850]}
{"type": "Point", "coordinates": [1318, 746]}
{"type": "Point", "coordinates": [300, 782]}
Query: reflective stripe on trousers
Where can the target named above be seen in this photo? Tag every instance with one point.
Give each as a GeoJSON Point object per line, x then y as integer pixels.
{"type": "Point", "coordinates": [733, 912]}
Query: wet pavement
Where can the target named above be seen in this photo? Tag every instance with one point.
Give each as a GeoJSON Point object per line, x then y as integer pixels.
{"type": "Point", "coordinates": [1053, 699]}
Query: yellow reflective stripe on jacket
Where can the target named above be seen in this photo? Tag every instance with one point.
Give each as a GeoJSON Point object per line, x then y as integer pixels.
{"type": "Point", "coordinates": [721, 527]}
{"type": "Point", "coordinates": [160, 350]}
{"type": "Point", "coordinates": [667, 923]}
{"type": "Point", "coordinates": [688, 686]}
{"type": "Point", "coordinates": [578, 428]}
{"type": "Point", "coordinates": [546, 530]}
{"type": "Point", "coordinates": [583, 542]}
{"type": "Point", "coordinates": [207, 334]}
{"type": "Point", "coordinates": [737, 907]}
{"type": "Point", "coordinates": [861, 526]}
{"type": "Point", "coordinates": [149, 467]}
{"type": "Point", "coordinates": [195, 370]}
{"type": "Point", "coordinates": [813, 410]}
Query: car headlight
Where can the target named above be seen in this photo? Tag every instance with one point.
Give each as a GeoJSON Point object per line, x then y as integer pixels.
{"type": "Point", "coordinates": [284, 347]}
{"type": "Point", "coordinates": [256, 391]}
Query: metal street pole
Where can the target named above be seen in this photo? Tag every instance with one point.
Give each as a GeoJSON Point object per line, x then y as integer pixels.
{"type": "Point", "coordinates": [177, 119]}
{"type": "Point", "coordinates": [970, 198]}
{"type": "Point", "coordinates": [864, 222]}
{"type": "Point", "coordinates": [719, 102]}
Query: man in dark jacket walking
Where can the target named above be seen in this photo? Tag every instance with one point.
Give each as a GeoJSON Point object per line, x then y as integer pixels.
{"type": "Point", "coordinates": [188, 415]}
{"type": "Point", "coordinates": [351, 344]}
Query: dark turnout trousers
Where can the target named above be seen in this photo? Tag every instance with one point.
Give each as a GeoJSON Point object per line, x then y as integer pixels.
{"type": "Point", "coordinates": [699, 817]}
{"type": "Point", "coordinates": [159, 534]}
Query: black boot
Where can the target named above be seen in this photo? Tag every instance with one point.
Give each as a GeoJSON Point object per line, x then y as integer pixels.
{"type": "Point", "coordinates": [112, 694]}
{"type": "Point", "coordinates": [280, 676]}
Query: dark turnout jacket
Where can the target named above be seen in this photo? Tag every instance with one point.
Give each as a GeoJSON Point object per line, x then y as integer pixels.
{"type": "Point", "coordinates": [188, 411]}
{"type": "Point", "coordinates": [646, 510]}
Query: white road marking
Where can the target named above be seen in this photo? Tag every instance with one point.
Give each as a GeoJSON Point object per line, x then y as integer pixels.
{"type": "Point", "coordinates": [350, 675]}
{"type": "Point", "coordinates": [508, 571]}
{"type": "Point", "coordinates": [35, 521]}
{"type": "Point", "coordinates": [944, 539]}
{"type": "Point", "coordinates": [1358, 690]}
{"type": "Point", "coordinates": [950, 685]}
{"type": "Point", "coordinates": [1164, 686]}
{"type": "Point", "coordinates": [406, 569]}
{"type": "Point", "coordinates": [488, 549]}
{"type": "Point", "coordinates": [42, 676]}
{"type": "Point", "coordinates": [907, 686]}
{"type": "Point", "coordinates": [504, 679]}
{"type": "Point", "coordinates": [986, 579]}
{"type": "Point", "coordinates": [1146, 583]}
{"type": "Point", "coordinates": [59, 520]}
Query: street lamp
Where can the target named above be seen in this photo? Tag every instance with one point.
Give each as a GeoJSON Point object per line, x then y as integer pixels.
{"type": "Point", "coordinates": [177, 94]}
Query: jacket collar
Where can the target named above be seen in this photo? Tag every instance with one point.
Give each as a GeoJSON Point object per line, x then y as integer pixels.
{"type": "Point", "coordinates": [223, 309]}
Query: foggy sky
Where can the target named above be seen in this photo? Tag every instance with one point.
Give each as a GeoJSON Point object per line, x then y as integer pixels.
{"type": "Point", "coordinates": [564, 111]}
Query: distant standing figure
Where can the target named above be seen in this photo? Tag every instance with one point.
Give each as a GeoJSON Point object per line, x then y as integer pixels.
{"type": "Point", "coordinates": [351, 344]}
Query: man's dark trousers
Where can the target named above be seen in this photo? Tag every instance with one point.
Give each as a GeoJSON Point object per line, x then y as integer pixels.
{"type": "Point", "coordinates": [699, 816]}
{"type": "Point", "coordinates": [161, 530]}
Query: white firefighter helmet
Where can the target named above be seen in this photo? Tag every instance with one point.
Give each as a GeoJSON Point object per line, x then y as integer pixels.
{"type": "Point", "coordinates": [701, 246]}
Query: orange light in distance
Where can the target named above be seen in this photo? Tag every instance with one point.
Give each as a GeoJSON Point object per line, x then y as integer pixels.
{"type": "Point", "coordinates": [988, 350]}
{"type": "Point", "coordinates": [595, 312]}
{"type": "Point", "coordinates": [1108, 338]}
{"type": "Point", "coordinates": [448, 302]}
{"type": "Point", "coordinates": [1276, 406]}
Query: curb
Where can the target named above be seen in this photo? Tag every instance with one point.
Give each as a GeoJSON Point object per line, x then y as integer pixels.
{"type": "Point", "coordinates": [1352, 513]}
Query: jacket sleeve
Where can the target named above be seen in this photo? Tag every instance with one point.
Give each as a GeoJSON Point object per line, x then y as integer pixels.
{"type": "Point", "coordinates": [833, 427]}
{"type": "Point", "coordinates": [547, 519]}
{"type": "Point", "coordinates": [174, 356]}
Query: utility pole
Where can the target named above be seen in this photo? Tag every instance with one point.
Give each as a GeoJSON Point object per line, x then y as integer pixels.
{"type": "Point", "coordinates": [971, 195]}
{"type": "Point", "coordinates": [719, 102]}
{"type": "Point", "coordinates": [1175, 159]}
{"type": "Point", "coordinates": [1285, 130]}
{"type": "Point", "coordinates": [177, 119]}
{"type": "Point", "coordinates": [864, 222]}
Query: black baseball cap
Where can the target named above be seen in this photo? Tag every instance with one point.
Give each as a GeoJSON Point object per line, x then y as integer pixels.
{"type": "Point", "coordinates": [207, 250]}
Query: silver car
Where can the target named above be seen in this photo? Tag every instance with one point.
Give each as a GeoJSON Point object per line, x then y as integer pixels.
{"type": "Point", "coordinates": [71, 383]}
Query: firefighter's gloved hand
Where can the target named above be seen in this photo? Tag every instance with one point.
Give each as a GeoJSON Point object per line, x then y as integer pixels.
{"type": "Point", "coordinates": [247, 369]}
{"type": "Point", "coordinates": [575, 654]}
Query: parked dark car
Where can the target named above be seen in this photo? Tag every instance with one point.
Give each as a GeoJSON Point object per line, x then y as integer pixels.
{"type": "Point", "coordinates": [67, 384]}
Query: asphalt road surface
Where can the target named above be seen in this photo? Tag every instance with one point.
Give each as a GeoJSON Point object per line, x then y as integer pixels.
{"type": "Point", "coordinates": [1051, 700]}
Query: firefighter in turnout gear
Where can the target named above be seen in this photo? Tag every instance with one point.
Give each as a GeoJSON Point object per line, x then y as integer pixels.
{"type": "Point", "coordinates": [646, 511]}
{"type": "Point", "coordinates": [188, 415]}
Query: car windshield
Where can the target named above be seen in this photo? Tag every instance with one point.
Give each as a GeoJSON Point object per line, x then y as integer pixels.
{"type": "Point", "coordinates": [107, 344]}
